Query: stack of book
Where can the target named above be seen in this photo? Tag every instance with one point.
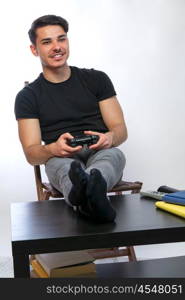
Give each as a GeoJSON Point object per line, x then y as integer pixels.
{"type": "Point", "coordinates": [173, 203]}
{"type": "Point", "coordinates": [63, 264]}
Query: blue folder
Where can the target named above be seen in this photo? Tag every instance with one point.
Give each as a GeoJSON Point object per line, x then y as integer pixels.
{"type": "Point", "coordinates": [176, 198]}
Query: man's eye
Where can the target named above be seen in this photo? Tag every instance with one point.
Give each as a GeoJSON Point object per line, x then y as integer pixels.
{"type": "Point", "coordinates": [46, 42]}
{"type": "Point", "coordinates": [62, 39]}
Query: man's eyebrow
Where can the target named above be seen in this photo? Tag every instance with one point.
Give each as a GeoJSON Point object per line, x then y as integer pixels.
{"type": "Point", "coordinates": [62, 35]}
{"type": "Point", "coordinates": [49, 39]}
{"type": "Point", "coordinates": [45, 39]}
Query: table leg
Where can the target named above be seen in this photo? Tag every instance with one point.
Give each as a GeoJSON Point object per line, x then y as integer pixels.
{"type": "Point", "coordinates": [21, 266]}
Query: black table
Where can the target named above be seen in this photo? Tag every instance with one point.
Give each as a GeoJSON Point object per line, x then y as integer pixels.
{"type": "Point", "coordinates": [51, 226]}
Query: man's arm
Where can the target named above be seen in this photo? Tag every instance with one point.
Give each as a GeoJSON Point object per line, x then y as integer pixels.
{"type": "Point", "coordinates": [114, 120]}
{"type": "Point", "coordinates": [35, 152]}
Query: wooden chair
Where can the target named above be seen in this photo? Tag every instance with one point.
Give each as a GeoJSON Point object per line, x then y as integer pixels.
{"type": "Point", "coordinates": [45, 191]}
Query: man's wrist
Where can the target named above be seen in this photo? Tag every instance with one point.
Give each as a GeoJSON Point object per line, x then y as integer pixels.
{"type": "Point", "coordinates": [50, 149]}
{"type": "Point", "coordinates": [111, 138]}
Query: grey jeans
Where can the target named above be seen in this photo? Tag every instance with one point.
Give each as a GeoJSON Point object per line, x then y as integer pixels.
{"type": "Point", "coordinates": [110, 162]}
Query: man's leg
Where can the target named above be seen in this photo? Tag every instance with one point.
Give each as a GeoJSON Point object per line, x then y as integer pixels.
{"type": "Point", "coordinates": [88, 189]}
{"type": "Point", "coordinates": [110, 162]}
{"type": "Point", "coordinates": [57, 170]}
{"type": "Point", "coordinates": [105, 169]}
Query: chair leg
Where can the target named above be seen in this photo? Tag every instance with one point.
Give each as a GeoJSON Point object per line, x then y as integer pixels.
{"type": "Point", "coordinates": [46, 195]}
{"type": "Point", "coordinates": [131, 254]}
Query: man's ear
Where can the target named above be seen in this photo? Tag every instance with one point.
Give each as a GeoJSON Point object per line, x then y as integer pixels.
{"type": "Point", "coordinates": [33, 50]}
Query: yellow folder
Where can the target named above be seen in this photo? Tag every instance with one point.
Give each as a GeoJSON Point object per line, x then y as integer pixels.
{"type": "Point", "coordinates": [172, 208]}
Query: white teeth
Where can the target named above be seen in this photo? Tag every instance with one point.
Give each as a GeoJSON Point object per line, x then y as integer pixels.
{"type": "Point", "coordinates": [58, 55]}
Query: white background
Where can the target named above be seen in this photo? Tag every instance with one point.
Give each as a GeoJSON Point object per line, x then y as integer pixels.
{"type": "Point", "coordinates": [140, 44]}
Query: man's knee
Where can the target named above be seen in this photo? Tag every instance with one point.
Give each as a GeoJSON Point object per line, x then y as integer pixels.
{"type": "Point", "coordinates": [115, 156]}
{"type": "Point", "coordinates": [57, 167]}
{"type": "Point", "coordinates": [120, 157]}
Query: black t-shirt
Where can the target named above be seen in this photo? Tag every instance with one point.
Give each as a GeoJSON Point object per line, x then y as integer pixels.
{"type": "Point", "coordinates": [69, 106]}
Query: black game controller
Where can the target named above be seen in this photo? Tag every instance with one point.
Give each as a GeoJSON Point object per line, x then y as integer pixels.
{"type": "Point", "coordinates": [82, 140]}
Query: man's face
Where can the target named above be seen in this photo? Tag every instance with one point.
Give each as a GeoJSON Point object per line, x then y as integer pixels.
{"type": "Point", "coordinates": [52, 46]}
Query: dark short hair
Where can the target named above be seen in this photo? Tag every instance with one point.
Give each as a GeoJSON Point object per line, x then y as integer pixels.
{"type": "Point", "coordinates": [44, 21]}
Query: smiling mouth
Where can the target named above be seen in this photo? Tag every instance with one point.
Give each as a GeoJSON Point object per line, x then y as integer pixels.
{"type": "Point", "coordinates": [57, 56]}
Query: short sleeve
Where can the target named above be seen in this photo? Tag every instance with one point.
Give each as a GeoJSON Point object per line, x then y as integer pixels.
{"type": "Point", "coordinates": [105, 88]}
{"type": "Point", "coordinates": [25, 105]}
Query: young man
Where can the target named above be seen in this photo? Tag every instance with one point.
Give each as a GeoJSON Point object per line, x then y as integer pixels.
{"type": "Point", "coordinates": [63, 102]}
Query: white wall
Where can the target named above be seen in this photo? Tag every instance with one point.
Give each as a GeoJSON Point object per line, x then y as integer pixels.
{"type": "Point", "coordinates": [141, 45]}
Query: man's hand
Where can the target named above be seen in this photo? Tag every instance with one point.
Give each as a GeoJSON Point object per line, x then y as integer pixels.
{"type": "Point", "coordinates": [61, 148]}
{"type": "Point", "coordinates": [105, 140]}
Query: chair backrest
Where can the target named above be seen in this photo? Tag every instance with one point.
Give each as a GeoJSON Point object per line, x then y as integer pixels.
{"type": "Point", "coordinates": [38, 181]}
{"type": "Point", "coordinates": [44, 189]}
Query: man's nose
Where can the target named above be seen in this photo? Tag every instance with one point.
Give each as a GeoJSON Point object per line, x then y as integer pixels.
{"type": "Point", "coordinates": [56, 46]}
